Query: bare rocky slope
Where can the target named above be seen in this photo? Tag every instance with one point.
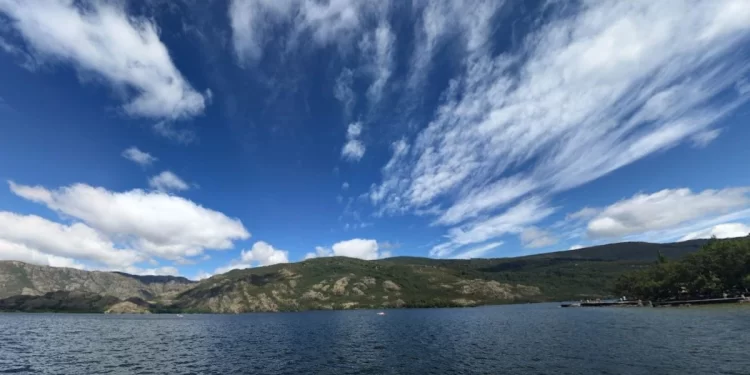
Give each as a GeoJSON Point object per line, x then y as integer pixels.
{"type": "Point", "coordinates": [18, 278]}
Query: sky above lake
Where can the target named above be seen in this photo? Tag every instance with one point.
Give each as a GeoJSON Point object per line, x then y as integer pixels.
{"type": "Point", "coordinates": [194, 137]}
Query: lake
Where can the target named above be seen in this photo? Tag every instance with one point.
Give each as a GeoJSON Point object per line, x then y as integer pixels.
{"type": "Point", "coordinates": [517, 339]}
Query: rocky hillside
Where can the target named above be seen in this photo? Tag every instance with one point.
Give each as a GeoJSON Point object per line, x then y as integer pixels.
{"type": "Point", "coordinates": [18, 278]}
{"type": "Point", "coordinates": [344, 283]}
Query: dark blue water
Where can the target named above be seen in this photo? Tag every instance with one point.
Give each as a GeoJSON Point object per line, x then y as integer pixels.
{"type": "Point", "coordinates": [521, 339]}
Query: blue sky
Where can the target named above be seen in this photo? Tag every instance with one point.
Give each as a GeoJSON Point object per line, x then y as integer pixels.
{"type": "Point", "coordinates": [192, 137]}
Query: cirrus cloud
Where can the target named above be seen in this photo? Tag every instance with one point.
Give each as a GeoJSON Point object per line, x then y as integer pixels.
{"type": "Point", "coordinates": [101, 38]}
{"type": "Point", "coordinates": [592, 89]}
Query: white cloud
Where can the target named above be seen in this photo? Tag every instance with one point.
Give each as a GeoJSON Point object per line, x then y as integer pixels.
{"type": "Point", "coordinates": [320, 252]}
{"type": "Point", "coordinates": [665, 209]}
{"type": "Point", "coordinates": [168, 130]}
{"type": "Point", "coordinates": [344, 92]}
{"type": "Point", "coordinates": [355, 248]}
{"type": "Point", "coordinates": [261, 254]}
{"type": "Point", "coordinates": [102, 39]}
{"type": "Point", "coordinates": [478, 201]}
{"type": "Point", "coordinates": [154, 223]}
{"type": "Point", "coordinates": [594, 89]}
{"type": "Point", "coordinates": [158, 271]}
{"type": "Point", "coordinates": [322, 23]}
{"type": "Point", "coordinates": [265, 255]}
{"type": "Point", "coordinates": [583, 214]}
{"type": "Point", "coordinates": [353, 149]}
{"type": "Point", "coordinates": [20, 252]}
{"type": "Point", "coordinates": [378, 47]}
{"type": "Point", "coordinates": [250, 21]}
{"type": "Point", "coordinates": [442, 20]}
{"type": "Point", "coordinates": [534, 238]}
{"type": "Point", "coordinates": [727, 230]}
{"type": "Point", "coordinates": [43, 241]}
{"type": "Point", "coordinates": [202, 275]}
{"type": "Point", "coordinates": [167, 181]}
{"type": "Point", "coordinates": [702, 139]}
{"type": "Point", "coordinates": [139, 157]}
{"type": "Point", "coordinates": [680, 231]}
{"type": "Point", "coordinates": [478, 252]}
{"type": "Point", "coordinates": [575, 247]}
{"type": "Point", "coordinates": [354, 130]}
{"type": "Point", "coordinates": [345, 186]}
{"type": "Point", "coordinates": [513, 220]}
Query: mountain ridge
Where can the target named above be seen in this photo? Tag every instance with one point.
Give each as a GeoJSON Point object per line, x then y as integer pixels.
{"type": "Point", "coordinates": [19, 278]}
{"type": "Point", "coordinates": [343, 283]}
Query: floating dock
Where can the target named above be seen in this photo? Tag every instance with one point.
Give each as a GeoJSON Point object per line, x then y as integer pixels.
{"type": "Point", "coordinates": [600, 304]}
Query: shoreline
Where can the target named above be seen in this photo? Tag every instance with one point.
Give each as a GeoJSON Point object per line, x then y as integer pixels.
{"type": "Point", "coordinates": [671, 303]}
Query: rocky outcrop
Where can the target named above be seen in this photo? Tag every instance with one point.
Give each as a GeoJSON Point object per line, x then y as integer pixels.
{"type": "Point", "coordinates": [339, 288]}
{"type": "Point", "coordinates": [127, 307]}
{"type": "Point", "coordinates": [390, 286]}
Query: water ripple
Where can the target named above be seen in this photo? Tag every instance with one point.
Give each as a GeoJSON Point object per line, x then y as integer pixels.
{"type": "Point", "coordinates": [536, 339]}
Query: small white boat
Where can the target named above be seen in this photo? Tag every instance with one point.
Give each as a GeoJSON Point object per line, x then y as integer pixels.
{"type": "Point", "coordinates": [381, 313]}
{"type": "Point", "coordinates": [180, 316]}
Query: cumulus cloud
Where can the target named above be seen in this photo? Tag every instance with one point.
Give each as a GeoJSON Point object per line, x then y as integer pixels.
{"type": "Point", "coordinates": [153, 223]}
{"type": "Point", "coordinates": [575, 247]}
{"type": "Point", "coordinates": [665, 209]}
{"type": "Point", "coordinates": [102, 39]}
{"type": "Point", "coordinates": [139, 157]}
{"type": "Point", "coordinates": [589, 91]}
{"type": "Point", "coordinates": [167, 181]}
{"type": "Point", "coordinates": [728, 230]}
{"type": "Point", "coordinates": [261, 254]}
{"type": "Point", "coordinates": [355, 248]}
{"type": "Point", "coordinates": [42, 239]}
{"type": "Point", "coordinates": [478, 252]}
{"type": "Point", "coordinates": [533, 237]}
{"type": "Point", "coordinates": [345, 186]}
{"type": "Point", "coordinates": [20, 252]}
{"type": "Point", "coordinates": [353, 149]}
